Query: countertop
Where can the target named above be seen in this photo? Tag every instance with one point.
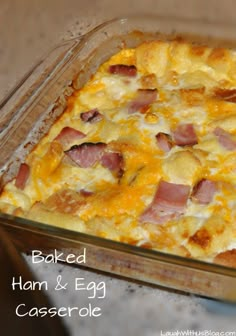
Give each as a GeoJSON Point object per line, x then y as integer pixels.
{"type": "Point", "coordinates": [28, 29]}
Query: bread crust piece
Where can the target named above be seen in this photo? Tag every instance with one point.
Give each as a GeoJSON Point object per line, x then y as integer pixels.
{"type": "Point", "coordinates": [227, 258]}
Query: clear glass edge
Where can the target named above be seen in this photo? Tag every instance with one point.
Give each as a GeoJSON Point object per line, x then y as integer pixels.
{"type": "Point", "coordinates": [31, 71]}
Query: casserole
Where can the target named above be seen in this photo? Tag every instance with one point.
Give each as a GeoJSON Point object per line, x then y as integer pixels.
{"type": "Point", "coordinates": [63, 76]}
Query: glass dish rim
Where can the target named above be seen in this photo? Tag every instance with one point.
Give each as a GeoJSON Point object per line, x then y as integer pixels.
{"type": "Point", "coordinates": [119, 246]}
{"type": "Point", "coordinates": [81, 38]}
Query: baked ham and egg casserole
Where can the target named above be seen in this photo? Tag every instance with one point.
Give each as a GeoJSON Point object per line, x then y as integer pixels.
{"type": "Point", "coordinates": [145, 153]}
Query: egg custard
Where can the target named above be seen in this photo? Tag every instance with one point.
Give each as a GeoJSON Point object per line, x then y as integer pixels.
{"type": "Point", "coordinates": [144, 153]}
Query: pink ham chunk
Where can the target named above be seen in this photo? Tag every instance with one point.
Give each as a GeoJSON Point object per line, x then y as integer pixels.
{"type": "Point", "coordinates": [164, 141]}
{"type": "Point", "coordinates": [114, 162]}
{"type": "Point", "coordinates": [144, 98]}
{"type": "Point", "coordinates": [87, 154]}
{"type": "Point", "coordinates": [68, 135]}
{"type": "Point", "coordinates": [169, 203]}
{"type": "Point", "coordinates": [91, 116]}
{"type": "Point", "coordinates": [225, 139]}
{"type": "Point", "coordinates": [204, 191]}
{"type": "Point", "coordinates": [123, 70]}
{"type": "Point", "coordinates": [185, 135]}
{"type": "Point", "coordinates": [22, 176]}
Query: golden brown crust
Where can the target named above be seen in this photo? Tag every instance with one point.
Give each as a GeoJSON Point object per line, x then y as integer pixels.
{"type": "Point", "coordinates": [226, 94]}
{"type": "Point", "coordinates": [227, 258]}
{"type": "Point", "coordinates": [201, 238]}
{"type": "Point", "coordinates": [149, 81]}
{"type": "Point", "coordinates": [198, 50]}
{"type": "Point", "coordinates": [217, 54]}
{"type": "Point", "coordinates": [65, 201]}
{"type": "Point", "coordinates": [193, 97]}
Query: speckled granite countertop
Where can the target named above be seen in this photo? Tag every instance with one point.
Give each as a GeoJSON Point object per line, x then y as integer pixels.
{"type": "Point", "coordinates": [29, 28]}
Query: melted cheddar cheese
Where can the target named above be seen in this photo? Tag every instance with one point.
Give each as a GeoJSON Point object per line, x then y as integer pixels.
{"type": "Point", "coordinates": [194, 85]}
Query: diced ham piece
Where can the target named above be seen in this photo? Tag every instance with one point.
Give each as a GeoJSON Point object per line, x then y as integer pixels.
{"type": "Point", "coordinates": [144, 98]}
{"type": "Point", "coordinates": [22, 176]}
{"type": "Point", "coordinates": [204, 191]}
{"type": "Point", "coordinates": [68, 135]}
{"type": "Point", "coordinates": [185, 135]}
{"type": "Point", "coordinates": [91, 116]}
{"type": "Point", "coordinates": [169, 203]}
{"type": "Point", "coordinates": [164, 141]}
{"type": "Point", "coordinates": [156, 215]}
{"type": "Point", "coordinates": [123, 70]}
{"type": "Point", "coordinates": [86, 193]}
{"type": "Point", "coordinates": [225, 138]}
{"type": "Point", "coordinates": [114, 162]}
{"type": "Point", "coordinates": [87, 154]}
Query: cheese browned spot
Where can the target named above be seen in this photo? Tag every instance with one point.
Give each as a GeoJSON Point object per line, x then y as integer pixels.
{"type": "Point", "coordinates": [149, 81]}
{"type": "Point", "coordinates": [193, 96]}
{"type": "Point", "coordinates": [226, 94]}
{"type": "Point", "coordinates": [201, 238]}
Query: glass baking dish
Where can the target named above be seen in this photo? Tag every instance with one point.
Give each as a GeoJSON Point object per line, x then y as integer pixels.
{"type": "Point", "coordinates": [31, 108]}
